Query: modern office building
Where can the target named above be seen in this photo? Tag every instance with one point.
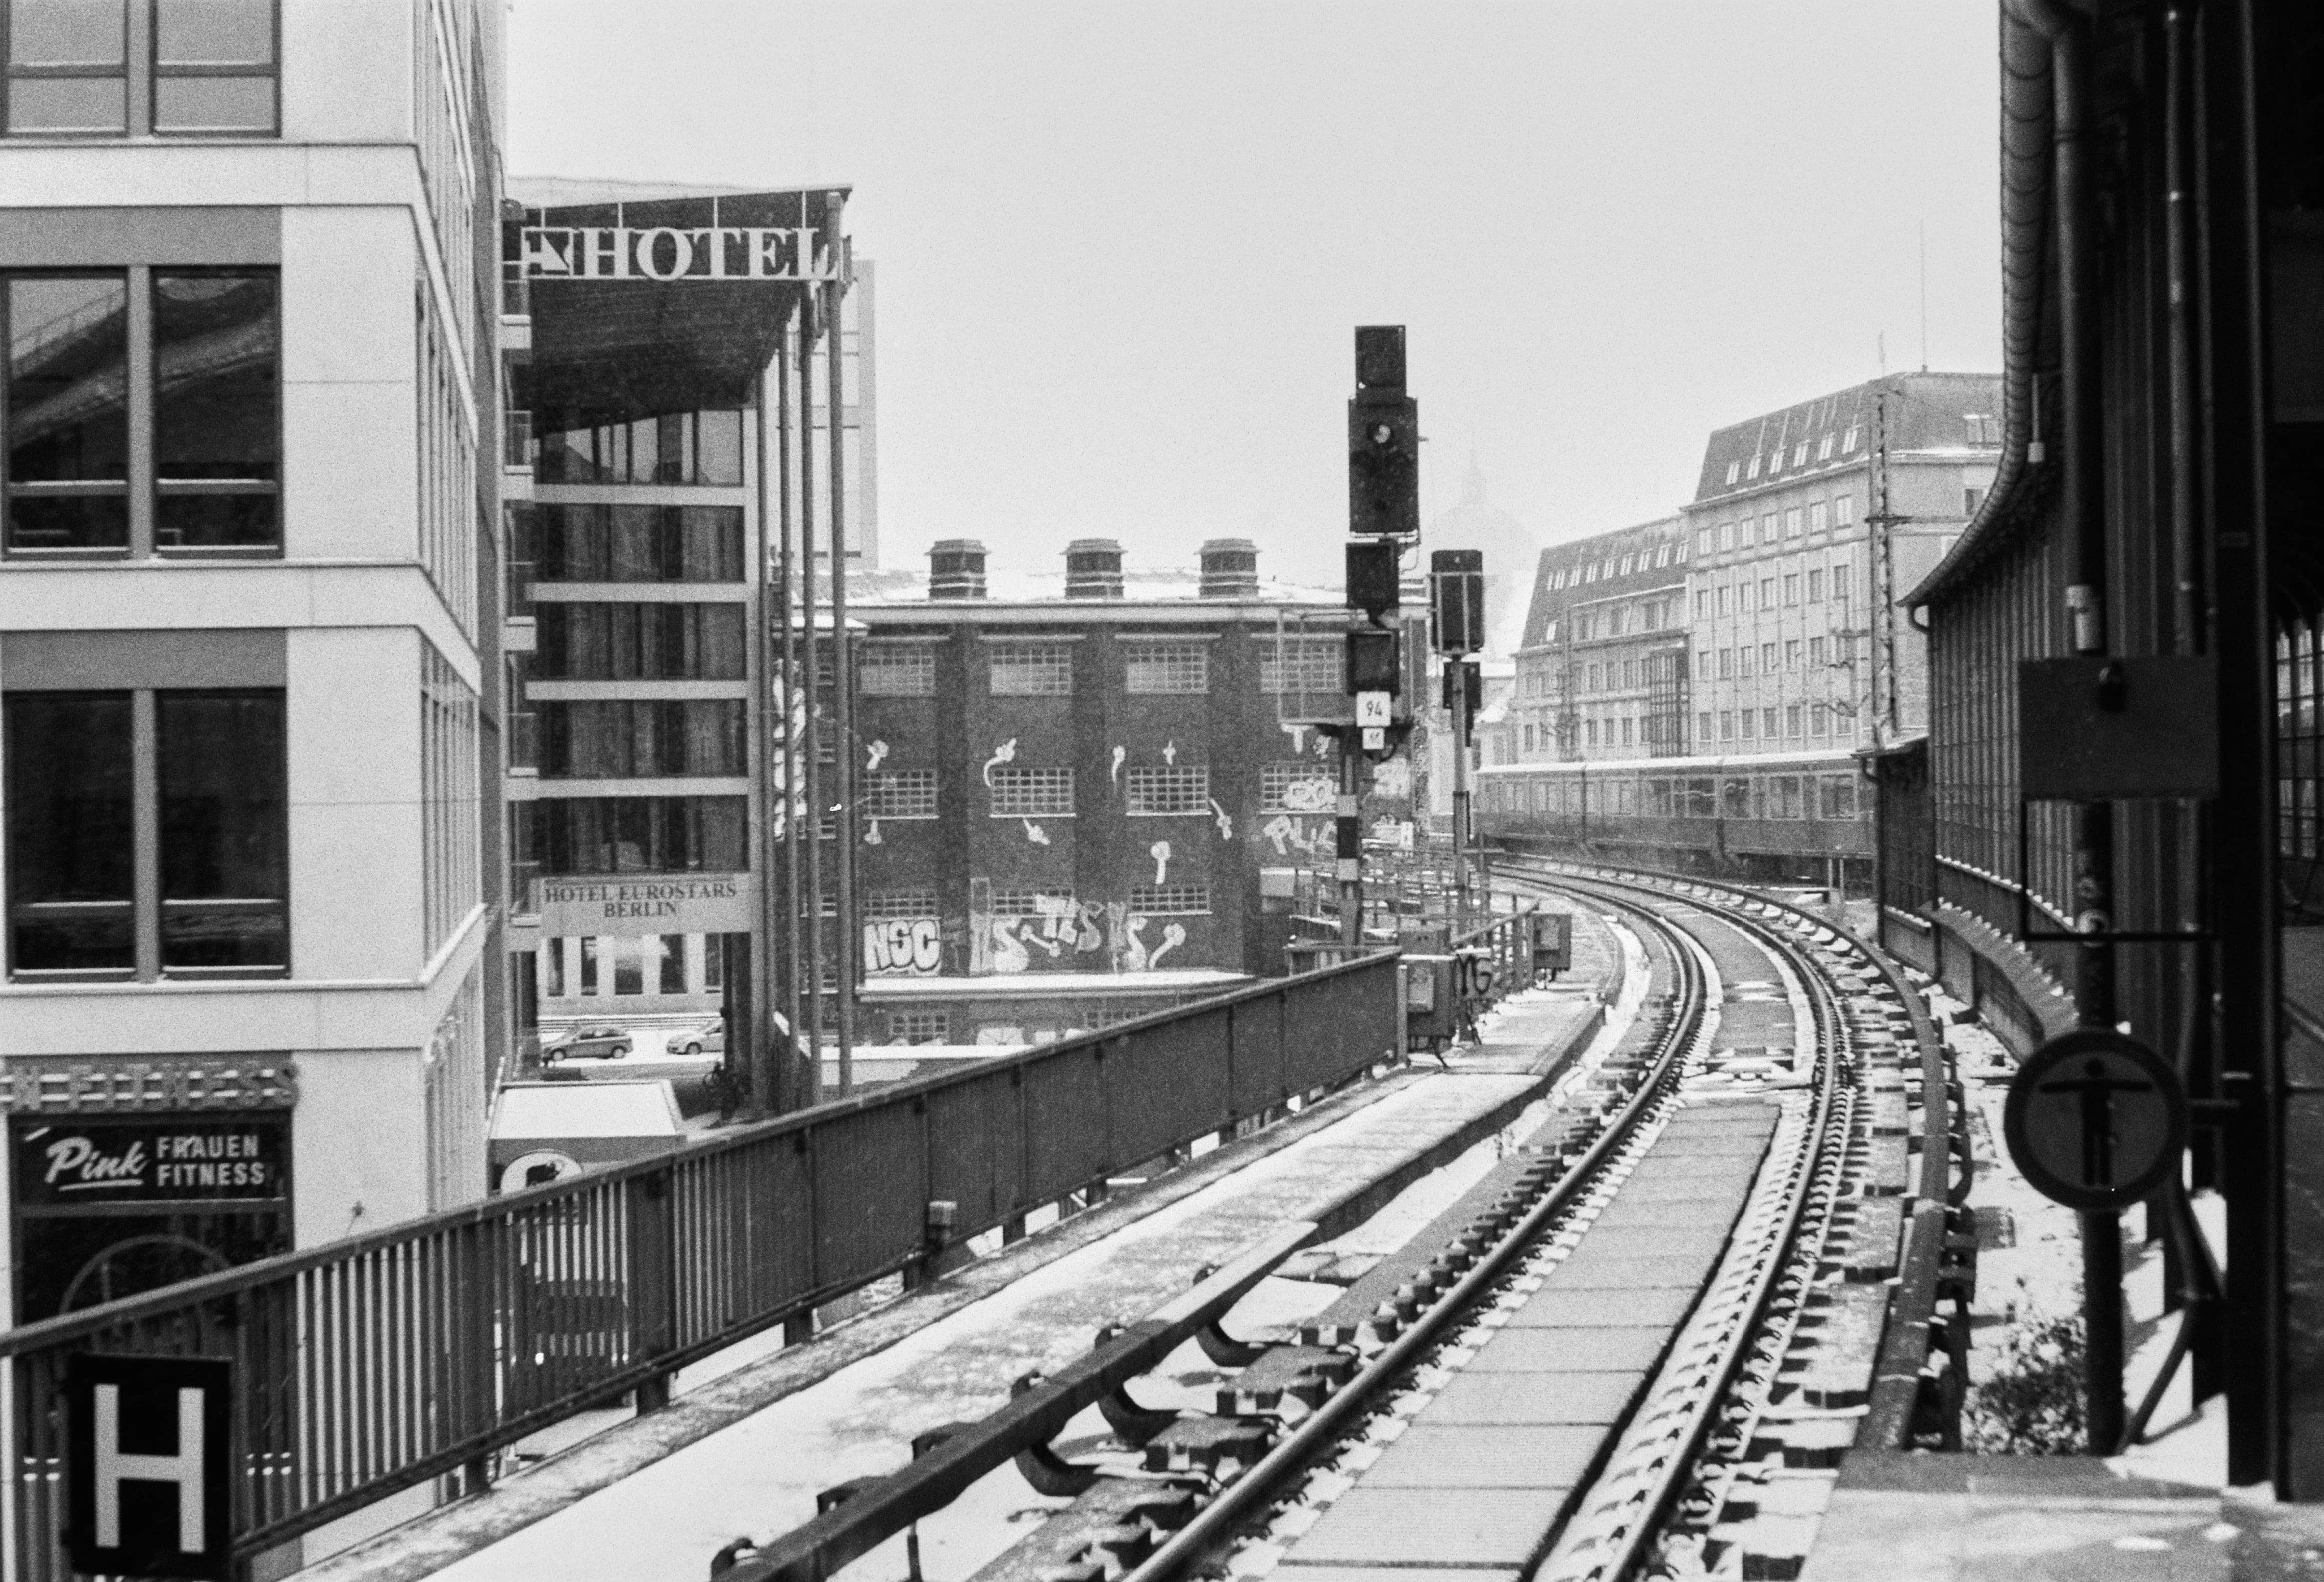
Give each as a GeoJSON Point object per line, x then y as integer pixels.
{"type": "Point", "coordinates": [1601, 669]}
{"type": "Point", "coordinates": [248, 591]}
{"type": "Point", "coordinates": [1808, 523]}
{"type": "Point", "coordinates": [1069, 793]}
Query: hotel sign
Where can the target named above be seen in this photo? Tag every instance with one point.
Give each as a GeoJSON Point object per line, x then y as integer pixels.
{"type": "Point", "coordinates": [677, 253]}
{"type": "Point", "coordinates": [631, 909]}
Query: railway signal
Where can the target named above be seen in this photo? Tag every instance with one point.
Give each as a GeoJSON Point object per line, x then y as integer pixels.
{"type": "Point", "coordinates": [1383, 439]}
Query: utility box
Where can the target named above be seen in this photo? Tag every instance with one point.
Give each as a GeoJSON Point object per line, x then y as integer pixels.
{"type": "Point", "coordinates": [1429, 1015]}
{"type": "Point", "coordinates": [1553, 943]}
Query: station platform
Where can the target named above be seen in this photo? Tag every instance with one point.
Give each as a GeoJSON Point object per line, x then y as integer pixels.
{"type": "Point", "coordinates": [748, 1452]}
{"type": "Point", "coordinates": [1928, 1517]}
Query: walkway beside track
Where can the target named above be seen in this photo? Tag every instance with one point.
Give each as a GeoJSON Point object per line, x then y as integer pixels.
{"type": "Point", "coordinates": [660, 1496]}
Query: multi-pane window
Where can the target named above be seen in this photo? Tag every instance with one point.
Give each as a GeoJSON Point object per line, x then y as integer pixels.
{"type": "Point", "coordinates": [213, 808]}
{"type": "Point", "coordinates": [449, 811]}
{"type": "Point", "coordinates": [1167, 790]}
{"type": "Point", "coordinates": [1031, 793]}
{"type": "Point", "coordinates": [638, 543]}
{"type": "Point", "coordinates": [676, 448]}
{"type": "Point", "coordinates": [1170, 901]}
{"type": "Point", "coordinates": [625, 642]}
{"type": "Point", "coordinates": [1019, 902]}
{"type": "Point", "coordinates": [897, 670]}
{"type": "Point", "coordinates": [918, 1026]}
{"type": "Point", "coordinates": [1030, 670]}
{"type": "Point", "coordinates": [209, 67]}
{"type": "Point", "coordinates": [1820, 719]}
{"type": "Point", "coordinates": [1839, 795]}
{"type": "Point", "coordinates": [1791, 719]}
{"type": "Point", "coordinates": [1844, 510]}
{"type": "Point", "coordinates": [1768, 719]}
{"type": "Point", "coordinates": [1819, 516]}
{"type": "Point", "coordinates": [208, 479]}
{"type": "Point", "coordinates": [904, 794]}
{"type": "Point", "coordinates": [1296, 786]}
{"type": "Point", "coordinates": [1816, 587]}
{"type": "Point", "coordinates": [1301, 664]}
{"type": "Point", "coordinates": [610, 738]}
{"type": "Point", "coordinates": [898, 905]}
{"type": "Point", "coordinates": [1815, 651]}
{"type": "Point", "coordinates": [1163, 666]}
{"type": "Point", "coordinates": [641, 835]}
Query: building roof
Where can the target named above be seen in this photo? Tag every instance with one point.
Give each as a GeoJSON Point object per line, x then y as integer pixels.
{"type": "Point", "coordinates": [872, 592]}
{"type": "Point", "coordinates": [1940, 413]}
{"type": "Point", "coordinates": [1583, 570]}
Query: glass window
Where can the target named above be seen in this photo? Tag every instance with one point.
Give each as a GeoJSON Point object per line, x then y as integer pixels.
{"type": "Point", "coordinates": [1164, 666]}
{"type": "Point", "coordinates": [1735, 797]}
{"type": "Point", "coordinates": [906, 794]}
{"type": "Point", "coordinates": [1167, 790]}
{"type": "Point", "coordinates": [225, 859]}
{"type": "Point", "coordinates": [71, 893]}
{"type": "Point", "coordinates": [1303, 665]}
{"type": "Point", "coordinates": [629, 969]}
{"type": "Point", "coordinates": [639, 543]}
{"type": "Point", "coordinates": [1034, 669]}
{"type": "Point", "coordinates": [670, 949]}
{"type": "Point", "coordinates": [1726, 725]}
{"type": "Point", "coordinates": [1296, 786]}
{"type": "Point", "coordinates": [642, 835]}
{"type": "Point", "coordinates": [1816, 587]}
{"type": "Point", "coordinates": [595, 739]}
{"type": "Point", "coordinates": [68, 67]}
{"type": "Point", "coordinates": [1033, 792]}
{"type": "Point", "coordinates": [675, 447]}
{"type": "Point", "coordinates": [214, 65]}
{"type": "Point", "coordinates": [624, 642]}
{"type": "Point", "coordinates": [67, 414]}
{"type": "Point", "coordinates": [1844, 510]}
{"type": "Point", "coordinates": [1767, 720]}
{"type": "Point", "coordinates": [217, 424]}
{"type": "Point", "coordinates": [1820, 719]}
{"type": "Point", "coordinates": [897, 670]}
{"type": "Point", "coordinates": [1819, 516]}
{"type": "Point", "coordinates": [898, 905]}
{"type": "Point", "coordinates": [1170, 901]}
{"type": "Point", "coordinates": [1702, 726]}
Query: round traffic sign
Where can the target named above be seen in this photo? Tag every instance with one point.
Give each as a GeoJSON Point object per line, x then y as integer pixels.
{"type": "Point", "coordinates": [2096, 1121]}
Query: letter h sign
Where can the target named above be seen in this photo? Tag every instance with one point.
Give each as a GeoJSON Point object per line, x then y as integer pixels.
{"type": "Point", "coordinates": [150, 1449]}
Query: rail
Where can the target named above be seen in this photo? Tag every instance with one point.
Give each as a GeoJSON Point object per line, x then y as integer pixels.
{"type": "Point", "coordinates": [370, 1365]}
{"type": "Point", "coordinates": [1907, 1402]}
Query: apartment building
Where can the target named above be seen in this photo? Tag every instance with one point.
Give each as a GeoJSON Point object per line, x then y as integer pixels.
{"type": "Point", "coordinates": [1602, 670]}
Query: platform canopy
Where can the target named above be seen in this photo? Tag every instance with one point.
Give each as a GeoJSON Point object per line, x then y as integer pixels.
{"type": "Point", "coordinates": [651, 299]}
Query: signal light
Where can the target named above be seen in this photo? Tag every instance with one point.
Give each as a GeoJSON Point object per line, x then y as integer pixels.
{"type": "Point", "coordinates": [1469, 677]}
{"type": "Point", "coordinates": [1383, 465]}
{"type": "Point", "coordinates": [1380, 358]}
{"type": "Point", "coordinates": [1372, 575]}
{"type": "Point", "coordinates": [1373, 664]}
{"type": "Point", "coordinates": [1457, 601]}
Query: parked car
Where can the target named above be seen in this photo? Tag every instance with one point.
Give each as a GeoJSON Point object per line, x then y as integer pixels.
{"type": "Point", "coordinates": [709, 1038]}
{"type": "Point", "coordinates": [587, 1043]}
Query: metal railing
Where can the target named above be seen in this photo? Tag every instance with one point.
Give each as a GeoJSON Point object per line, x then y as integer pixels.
{"type": "Point", "coordinates": [373, 1364]}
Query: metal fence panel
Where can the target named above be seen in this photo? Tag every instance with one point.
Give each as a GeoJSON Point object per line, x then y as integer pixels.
{"type": "Point", "coordinates": [1066, 1120]}
{"type": "Point", "coordinates": [871, 1189]}
{"type": "Point", "coordinates": [976, 1155]}
{"type": "Point", "coordinates": [1169, 1084]}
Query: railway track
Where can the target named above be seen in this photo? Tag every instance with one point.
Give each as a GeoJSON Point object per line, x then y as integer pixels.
{"type": "Point", "coordinates": [1635, 1345]}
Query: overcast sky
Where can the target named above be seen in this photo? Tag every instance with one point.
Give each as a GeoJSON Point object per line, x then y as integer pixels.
{"type": "Point", "coordinates": [1122, 246]}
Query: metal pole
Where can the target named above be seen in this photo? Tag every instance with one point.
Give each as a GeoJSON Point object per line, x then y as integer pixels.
{"type": "Point", "coordinates": [760, 1040]}
{"type": "Point", "coordinates": [842, 655]}
{"type": "Point", "coordinates": [811, 685]}
{"type": "Point", "coordinates": [1350, 867]}
{"type": "Point", "coordinates": [1457, 666]}
{"type": "Point", "coordinates": [800, 1088]}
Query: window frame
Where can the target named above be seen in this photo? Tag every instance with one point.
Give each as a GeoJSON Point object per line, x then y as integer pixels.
{"type": "Point", "coordinates": [1028, 798]}
{"type": "Point", "coordinates": [1160, 668]}
{"type": "Point", "coordinates": [1137, 803]}
{"type": "Point", "coordinates": [141, 73]}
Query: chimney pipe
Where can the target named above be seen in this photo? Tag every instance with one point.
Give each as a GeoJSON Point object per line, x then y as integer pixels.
{"type": "Point", "coordinates": [1230, 569]}
{"type": "Point", "coordinates": [956, 569]}
{"type": "Point", "coordinates": [1094, 568]}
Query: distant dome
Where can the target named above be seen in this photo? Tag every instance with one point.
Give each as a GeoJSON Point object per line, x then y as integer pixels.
{"type": "Point", "coordinates": [1510, 548]}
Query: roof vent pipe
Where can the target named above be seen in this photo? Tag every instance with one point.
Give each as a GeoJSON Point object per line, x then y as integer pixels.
{"type": "Point", "coordinates": [1230, 569]}
{"type": "Point", "coordinates": [1094, 568]}
{"type": "Point", "coordinates": [956, 569]}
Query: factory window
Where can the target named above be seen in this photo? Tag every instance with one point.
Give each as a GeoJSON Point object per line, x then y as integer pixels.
{"type": "Point", "coordinates": [215, 805]}
{"type": "Point", "coordinates": [1030, 670]}
{"type": "Point", "coordinates": [898, 905]}
{"type": "Point", "coordinates": [1296, 786]}
{"type": "Point", "coordinates": [905, 793]}
{"type": "Point", "coordinates": [897, 670]}
{"type": "Point", "coordinates": [1031, 793]}
{"type": "Point", "coordinates": [1301, 664]}
{"type": "Point", "coordinates": [676, 448]}
{"type": "Point", "coordinates": [1170, 901]}
{"type": "Point", "coordinates": [1159, 667]}
{"type": "Point", "coordinates": [1168, 791]}
{"type": "Point", "coordinates": [211, 68]}
{"type": "Point", "coordinates": [909, 1028]}
{"type": "Point", "coordinates": [213, 413]}
{"type": "Point", "coordinates": [612, 737]}
{"type": "Point", "coordinates": [639, 543]}
{"type": "Point", "coordinates": [642, 835]}
{"type": "Point", "coordinates": [1818, 516]}
{"type": "Point", "coordinates": [1844, 510]}
{"type": "Point", "coordinates": [638, 642]}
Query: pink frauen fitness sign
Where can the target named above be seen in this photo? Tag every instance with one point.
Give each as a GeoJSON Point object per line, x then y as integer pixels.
{"type": "Point", "coordinates": [670, 252]}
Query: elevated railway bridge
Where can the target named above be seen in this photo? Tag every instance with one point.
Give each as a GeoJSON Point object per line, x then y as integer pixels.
{"type": "Point", "coordinates": [1615, 1282]}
